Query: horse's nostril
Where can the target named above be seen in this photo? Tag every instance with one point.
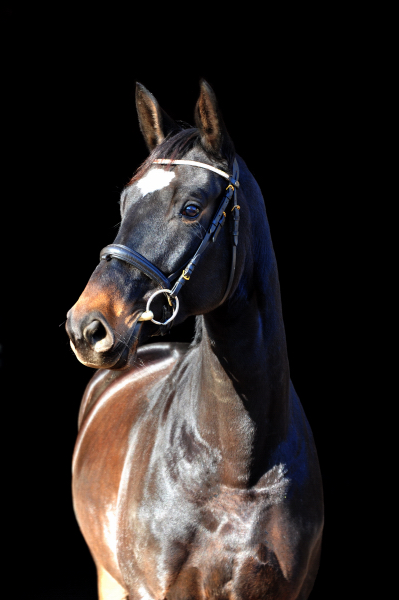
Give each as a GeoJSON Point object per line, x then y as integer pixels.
{"type": "Point", "coordinates": [94, 332]}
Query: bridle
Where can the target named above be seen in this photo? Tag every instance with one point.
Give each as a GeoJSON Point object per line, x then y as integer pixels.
{"type": "Point", "coordinates": [171, 291]}
{"type": "Point", "coordinates": [132, 257]}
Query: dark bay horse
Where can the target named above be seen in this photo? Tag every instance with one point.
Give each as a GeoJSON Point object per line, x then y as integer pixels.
{"type": "Point", "coordinates": [195, 474]}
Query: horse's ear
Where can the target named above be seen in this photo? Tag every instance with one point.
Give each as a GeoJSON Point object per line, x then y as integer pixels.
{"type": "Point", "coordinates": [209, 120]}
{"type": "Point", "coordinates": [154, 123]}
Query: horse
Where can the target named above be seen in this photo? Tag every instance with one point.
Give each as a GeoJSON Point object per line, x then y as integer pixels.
{"type": "Point", "coordinates": [195, 473]}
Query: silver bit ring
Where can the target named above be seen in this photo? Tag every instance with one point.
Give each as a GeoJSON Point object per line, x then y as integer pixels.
{"type": "Point", "coordinates": [148, 315]}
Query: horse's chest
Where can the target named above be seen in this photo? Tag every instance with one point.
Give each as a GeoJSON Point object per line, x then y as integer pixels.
{"type": "Point", "coordinates": [183, 529]}
{"type": "Point", "coordinates": [174, 526]}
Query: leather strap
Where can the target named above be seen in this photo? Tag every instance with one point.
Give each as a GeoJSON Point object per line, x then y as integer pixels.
{"type": "Point", "coordinates": [137, 260]}
{"type": "Point", "coordinates": [236, 221]}
{"type": "Point", "coordinates": [140, 262]}
{"type": "Point", "coordinates": [211, 235]}
{"type": "Point", "coordinates": [194, 163]}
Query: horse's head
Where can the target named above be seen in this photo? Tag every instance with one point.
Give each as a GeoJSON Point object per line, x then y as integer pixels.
{"type": "Point", "coordinates": [166, 211]}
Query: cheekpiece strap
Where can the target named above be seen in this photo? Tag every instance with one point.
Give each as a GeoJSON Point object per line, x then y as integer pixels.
{"type": "Point", "coordinates": [214, 228]}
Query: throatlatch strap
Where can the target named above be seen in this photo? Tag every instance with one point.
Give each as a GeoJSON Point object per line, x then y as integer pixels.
{"type": "Point", "coordinates": [236, 221]}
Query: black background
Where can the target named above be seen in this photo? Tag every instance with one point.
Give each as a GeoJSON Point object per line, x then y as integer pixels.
{"type": "Point", "coordinates": [72, 141]}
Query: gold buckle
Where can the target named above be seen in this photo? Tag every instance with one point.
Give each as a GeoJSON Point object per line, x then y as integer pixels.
{"type": "Point", "coordinates": [185, 276]}
{"type": "Point", "coordinates": [230, 186]}
{"type": "Point", "coordinates": [235, 206]}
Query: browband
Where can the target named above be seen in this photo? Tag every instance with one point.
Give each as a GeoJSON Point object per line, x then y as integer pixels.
{"type": "Point", "coordinates": [194, 163]}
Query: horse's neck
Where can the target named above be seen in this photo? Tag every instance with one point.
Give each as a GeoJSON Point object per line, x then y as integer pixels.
{"type": "Point", "coordinates": [244, 370]}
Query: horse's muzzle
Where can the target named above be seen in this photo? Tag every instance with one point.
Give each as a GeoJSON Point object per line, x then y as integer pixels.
{"type": "Point", "coordinates": [94, 342]}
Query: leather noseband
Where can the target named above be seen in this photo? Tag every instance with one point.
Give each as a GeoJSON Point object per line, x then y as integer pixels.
{"type": "Point", "coordinates": [140, 262]}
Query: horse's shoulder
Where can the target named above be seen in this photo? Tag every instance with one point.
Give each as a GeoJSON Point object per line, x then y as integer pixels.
{"type": "Point", "coordinates": [153, 361]}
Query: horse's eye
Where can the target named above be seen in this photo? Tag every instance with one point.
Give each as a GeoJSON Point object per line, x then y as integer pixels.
{"type": "Point", "coordinates": [190, 211]}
